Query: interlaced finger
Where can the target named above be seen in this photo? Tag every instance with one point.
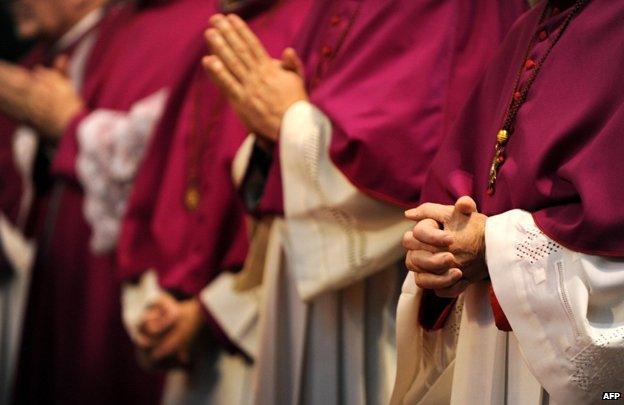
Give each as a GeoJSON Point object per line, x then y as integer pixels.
{"type": "Point", "coordinates": [409, 242]}
{"type": "Point", "coordinates": [438, 212]}
{"type": "Point", "coordinates": [422, 261]}
{"type": "Point", "coordinates": [427, 231]}
{"type": "Point", "coordinates": [169, 345]}
{"type": "Point", "coordinates": [438, 281]}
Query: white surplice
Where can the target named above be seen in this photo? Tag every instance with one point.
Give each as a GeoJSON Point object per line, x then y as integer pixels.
{"type": "Point", "coordinates": [567, 313]}
{"type": "Point", "coordinates": [19, 251]}
{"type": "Point", "coordinates": [321, 326]}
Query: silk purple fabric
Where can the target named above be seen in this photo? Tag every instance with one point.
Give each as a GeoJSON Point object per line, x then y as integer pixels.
{"type": "Point", "coordinates": [189, 247]}
{"type": "Point", "coordinates": [391, 75]}
{"type": "Point", "coordinates": [563, 162]}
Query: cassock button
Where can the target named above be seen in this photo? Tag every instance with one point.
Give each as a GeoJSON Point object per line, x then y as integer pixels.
{"type": "Point", "coordinates": [543, 35]}
{"type": "Point", "coordinates": [517, 95]}
{"type": "Point", "coordinates": [326, 51]}
{"type": "Point", "coordinates": [530, 64]}
{"type": "Point", "coordinates": [556, 11]}
{"type": "Point", "coordinates": [335, 20]}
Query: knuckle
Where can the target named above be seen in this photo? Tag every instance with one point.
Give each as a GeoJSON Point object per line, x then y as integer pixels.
{"type": "Point", "coordinates": [408, 263]}
{"type": "Point", "coordinates": [408, 240]}
{"type": "Point", "coordinates": [420, 282]}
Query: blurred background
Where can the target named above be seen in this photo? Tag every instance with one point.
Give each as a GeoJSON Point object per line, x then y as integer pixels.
{"type": "Point", "coordinates": [10, 47]}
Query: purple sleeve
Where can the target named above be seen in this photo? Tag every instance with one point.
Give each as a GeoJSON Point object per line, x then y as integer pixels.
{"type": "Point", "coordinates": [64, 162]}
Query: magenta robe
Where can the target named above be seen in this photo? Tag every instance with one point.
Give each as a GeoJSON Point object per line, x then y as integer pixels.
{"type": "Point", "coordinates": [10, 181]}
{"type": "Point", "coordinates": [563, 159]}
{"type": "Point", "coordinates": [75, 349]}
{"type": "Point", "coordinates": [187, 247]}
{"type": "Point", "coordinates": [391, 76]}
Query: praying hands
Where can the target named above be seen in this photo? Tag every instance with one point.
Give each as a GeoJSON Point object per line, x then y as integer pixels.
{"type": "Point", "coordinates": [43, 98]}
{"type": "Point", "coordinates": [446, 248]}
{"type": "Point", "coordinates": [260, 88]}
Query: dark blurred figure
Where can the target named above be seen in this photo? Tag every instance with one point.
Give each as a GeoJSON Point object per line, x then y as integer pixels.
{"type": "Point", "coordinates": [11, 48]}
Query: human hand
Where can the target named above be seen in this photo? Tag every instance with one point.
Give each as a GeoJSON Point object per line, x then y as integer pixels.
{"type": "Point", "coordinates": [169, 329]}
{"type": "Point", "coordinates": [43, 98]}
{"type": "Point", "coordinates": [52, 100]}
{"type": "Point", "coordinates": [446, 260]}
{"type": "Point", "coordinates": [15, 84]}
{"type": "Point", "coordinates": [260, 88]}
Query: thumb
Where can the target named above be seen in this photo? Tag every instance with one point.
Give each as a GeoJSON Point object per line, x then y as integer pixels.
{"type": "Point", "coordinates": [61, 65]}
{"type": "Point", "coordinates": [466, 205]}
{"type": "Point", "coordinates": [291, 61]}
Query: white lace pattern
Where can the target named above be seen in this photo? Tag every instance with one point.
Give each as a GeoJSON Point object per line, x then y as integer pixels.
{"type": "Point", "coordinates": [111, 146]}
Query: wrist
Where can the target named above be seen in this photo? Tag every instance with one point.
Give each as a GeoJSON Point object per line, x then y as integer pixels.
{"type": "Point", "coordinates": [481, 247]}
{"type": "Point", "coordinates": [64, 120]}
{"type": "Point", "coordinates": [265, 144]}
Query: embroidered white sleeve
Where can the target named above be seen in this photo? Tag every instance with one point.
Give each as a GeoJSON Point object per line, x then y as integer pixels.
{"type": "Point", "coordinates": [111, 146]}
{"type": "Point", "coordinates": [566, 308]}
{"type": "Point", "coordinates": [335, 235]}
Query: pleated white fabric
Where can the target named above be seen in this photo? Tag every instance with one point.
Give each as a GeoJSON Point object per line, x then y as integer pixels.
{"type": "Point", "coordinates": [323, 329]}
{"type": "Point", "coordinates": [567, 314]}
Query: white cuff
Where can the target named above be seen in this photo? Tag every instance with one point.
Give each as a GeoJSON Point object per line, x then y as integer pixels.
{"type": "Point", "coordinates": [565, 308]}
{"type": "Point", "coordinates": [236, 312]}
{"type": "Point", "coordinates": [136, 298]}
{"type": "Point", "coordinates": [334, 235]}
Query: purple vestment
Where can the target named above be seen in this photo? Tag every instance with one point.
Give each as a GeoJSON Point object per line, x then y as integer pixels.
{"type": "Point", "coordinates": [75, 349]}
{"type": "Point", "coordinates": [188, 247]}
{"type": "Point", "coordinates": [391, 76]}
{"type": "Point", "coordinates": [562, 161]}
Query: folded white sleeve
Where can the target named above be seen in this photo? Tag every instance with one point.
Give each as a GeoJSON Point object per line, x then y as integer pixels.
{"type": "Point", "coordinates": [566, 308]}
{"type": "Point", "coordinates": [237, 312]}
{"type": "Point", "coordinates": [335, 235]}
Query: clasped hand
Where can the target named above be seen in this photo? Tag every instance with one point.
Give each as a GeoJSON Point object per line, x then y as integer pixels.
{"type": "Point", "coordinates": [168, 330]}
{"type": "Point", "coordinates": [446, 247]}
{"type": "Point", "coordinates": [260, 88]}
